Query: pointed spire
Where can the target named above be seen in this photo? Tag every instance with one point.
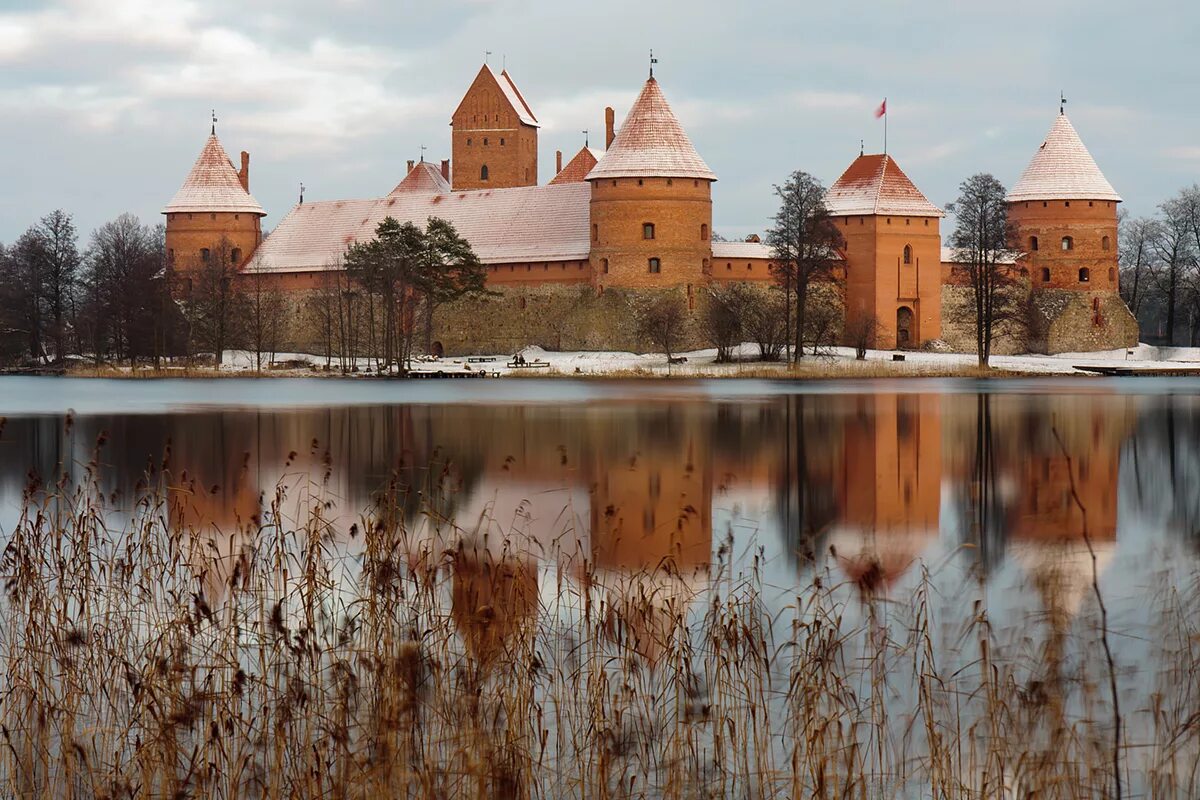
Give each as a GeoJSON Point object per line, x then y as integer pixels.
{"type": "Point", "coordinates": [651, 144]}
{"type": "Point", "coordinates": [425, 177]}
{"type": "Point", "coordinates": [1062, 169]}
{"type": "Point", "coordinates": [213, 185]}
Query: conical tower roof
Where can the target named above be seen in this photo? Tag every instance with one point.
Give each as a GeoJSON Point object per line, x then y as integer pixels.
{"type": "Point", "coordinates": [875, 184]}
{"type": "Point", "coordinates": [1062, 169]}
{"type": "Point", "coordinates": [213, 185]}
{"type": "Point", "coordinates": [651, 144]}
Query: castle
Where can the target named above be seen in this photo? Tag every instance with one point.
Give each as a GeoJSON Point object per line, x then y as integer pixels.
{"type": "Point", "coordinates": [637, 218]}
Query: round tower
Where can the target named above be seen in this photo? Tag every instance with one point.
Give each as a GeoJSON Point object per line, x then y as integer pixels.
{"type": "Point", "coordinates": [1064, 216]}
{"type": "Point", "coordinates": [213, 215]}
{"type": "Point", "coordinates": [651, 205]}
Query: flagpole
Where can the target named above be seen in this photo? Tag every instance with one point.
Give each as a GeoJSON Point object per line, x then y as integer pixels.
{"type": "Point", "coordinates": [885, 116]}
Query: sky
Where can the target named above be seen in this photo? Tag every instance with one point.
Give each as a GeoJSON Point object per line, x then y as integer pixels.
{"type": "Point", "coordinates": [105, 104]}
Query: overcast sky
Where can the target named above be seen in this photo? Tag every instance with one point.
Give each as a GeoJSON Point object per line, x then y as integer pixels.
{"type": "Point", "coordinates": [105, 103]}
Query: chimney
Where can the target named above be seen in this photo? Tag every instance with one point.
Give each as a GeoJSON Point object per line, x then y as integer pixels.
{"type": "Point", "coordinates": [557, 161]}
{"type": "Point", "coordinates": [244, 173]}
{"type": "Point", "coordinates": [410, 165]}
{"type": "Point", "coordinates": [446, 168]}
{"type": "Point", "coordinates": [610, 119]}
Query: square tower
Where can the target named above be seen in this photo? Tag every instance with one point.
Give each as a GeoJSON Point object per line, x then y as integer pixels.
{"type": "Point", "coordinates": [494, 139]}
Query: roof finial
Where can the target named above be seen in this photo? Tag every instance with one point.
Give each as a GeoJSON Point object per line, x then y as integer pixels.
{"type": "Point", "coordinates": [486, 53]}
{"type": "Point", "coordinates": [653, 61]}
{"type": "Point", "coordinates": [214, 122]}
{"type": "Point", "coordinates": [1062, 103]}
{"type": "Point", "coordinates": [423, 149]}
{"type": "Point", "coordinates": [301, 192]}
{"type": "Point", "coordinates": [862, 147]}
{"type": "Point", "coordinates": [504, 62]}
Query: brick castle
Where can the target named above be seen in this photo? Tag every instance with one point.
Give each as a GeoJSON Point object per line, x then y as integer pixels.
{"type": "Point", "coordinates": [637, 217]}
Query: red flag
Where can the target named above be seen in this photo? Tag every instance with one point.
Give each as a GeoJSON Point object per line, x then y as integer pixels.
{"type": "Point", "coordinates": [879, 112]}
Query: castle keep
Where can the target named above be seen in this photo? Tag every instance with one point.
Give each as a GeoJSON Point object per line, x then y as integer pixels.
{"type": "Point", "coordinates": [637, 218]}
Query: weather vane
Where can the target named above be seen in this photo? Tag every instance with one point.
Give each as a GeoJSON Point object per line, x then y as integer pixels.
{"type": "Point", "coordinates": [653, 61]}
{"type": "Point", "coordinates": [301, 192]}
{"type": "Point", "coordinates": [585, 138]}
{"type": "Point", "coordinates": [423, 149]}
{"type": "Point", "coordinates": [486, 54]}
{"type": "Point", "coordinates": [214, 122]}
{"type": "Point", "coordinates": [1062, 103]}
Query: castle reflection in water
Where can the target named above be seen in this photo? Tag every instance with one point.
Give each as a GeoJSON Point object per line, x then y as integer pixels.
{"type": "Point", "coordinates": [866, 483]}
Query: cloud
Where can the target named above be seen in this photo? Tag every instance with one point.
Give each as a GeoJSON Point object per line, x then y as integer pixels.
{"type": "Point", "coordinates": [1183, 153]}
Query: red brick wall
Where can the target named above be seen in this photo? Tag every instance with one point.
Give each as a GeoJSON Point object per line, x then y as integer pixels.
{"type": "Point", "coordinates": [1087, 222]}
{"type": "Point", "coordinates": [878, 281]}
{"type": "Point", "coordinates": [188, 233]}
{"type": "Point", "coordinates": [680, 210]}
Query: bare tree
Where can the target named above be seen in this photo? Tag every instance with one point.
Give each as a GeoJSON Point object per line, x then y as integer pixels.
{"type": "Point", "coordinates": [861, 332]}
{"type": "Point", "coordinates": [980, 240]}
{"type": "Point", "coordinates": [213, 302]}
{"type": "Point", "coordinates": [805, 243]}
{"type": "Point", "coordinates": [766, 322]}
{"type": "Point", "coordinates": [59, 272]}
{"type": "Point", "coordinates": [266, 308]}
{"type": "Point", "coordinates": [661, 323]}
{"type": "Point", "coordinates": [1175, 252]}
{"type": "Point", "coordinates": [723, 317]}
{"type": "Point", "coordinates": [1136, 254]}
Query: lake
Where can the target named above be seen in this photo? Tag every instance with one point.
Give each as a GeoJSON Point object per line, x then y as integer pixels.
{"type": "Point", "coordinates": [595, 588]}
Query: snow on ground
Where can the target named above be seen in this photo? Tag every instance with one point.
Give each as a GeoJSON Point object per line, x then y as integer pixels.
{"type": "Point", "coordinates": [703, 362]}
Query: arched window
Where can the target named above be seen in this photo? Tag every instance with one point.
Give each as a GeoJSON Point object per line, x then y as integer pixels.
{"type": "Point", "coordinates": [485, 141]}
{"type": "Point", "coordinates": [235, 256]}
{"type": "Point", "coordinates": [1045, 274]}
{"type": "Point", "coordinates": [595, 232]}
{"type": "Point", "coordinates": [655, 266]}
{"type": "Point", "coordinates": [604, 265]}
{"type": "Point", "coordinates": [204, 254]}
{"type": "Point", "coordinates": [1068, 243]}
{"type": "Point", "coordinates": [1033, 244]}
{"type": "Point", "coordinates": [1112, 275]}
{"type": "Point", "coordinates": [704, 231]}
{"type": "Point", "coordinates": [907, 254]}
{"type": "Point", "coordinates": [468, 142]}
{"type": "Point", "coordinates": [1104, 243]}
{"type": "Point", "coordinates": [1085, 275]}
{"type": "Point", "coordinates": [647, 230]}
{"type": "Point", "coordinates": [483, 173]}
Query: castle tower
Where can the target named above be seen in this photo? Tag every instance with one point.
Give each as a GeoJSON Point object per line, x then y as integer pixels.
{"type": "Point", "coordinates": [893, 252]}
{"type": "Point", "coordinates": [495, 136]}
{"type": "Point", "coordinates": [651, 206]}
{"type": "Point", "coordinates": [1063, 214]}
{"type": "Point", "coordinates": [213, 214]}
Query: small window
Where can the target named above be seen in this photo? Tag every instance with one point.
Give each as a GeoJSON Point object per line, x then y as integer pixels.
{"type": "Point", "coordinates": [468, 142]}
{"type": "Point", "coordinates": [1104, 243]}
{"type": "Point", "coordinates": [604, 265]}
{"type": "Point", "coordinates": [926, 223]}
{"type": "Point", "coordinates": [1067, 203]}
{"type": "Point", "coordinates": [1033, 243]}
{"type": "Point", "coordinates": [1045, 274]}
{"type": "Point", "coordinates": [485, 141]}
{"type": "Point", "coordinates": [907, 254]}
{"type": "Point", "coordinates": [595, 232]}
{"type": "Point", "coordinates": [204, 254]}
{"type": "Point", "coordinates": [1112, 275]}
{"type": "Point", "coordinates": [614, 183]}
{"type": "Point", "coordinates": [640, 181]}
{"type": "Point", "coordinates": [502, 141]}
{"type": "Point", "coordinates": [647, 230]}
{"type": "Point", "coordinates": [1045, 204]}
{"type": "Point", "coordinates": [483, 173]}
{"type": "Point", "coordinates": [670, 182]}
{"type": "Point", "coordinates": [1090, 204]}
{"type": "Point", "coordinates": [1068, 243]}
{"type": "Point", "coordinates": [703, 232]}
{"type": "Point", "coordinates": [655, 266]}
{"type": "Point", "coordinates": [235, 256]}
{"type": "Point", "coordinates": [749, 266]}
{"type": "Point", "coordinates": [1085, 275]}
{"type": "Point", "coordinates": [171, 255]}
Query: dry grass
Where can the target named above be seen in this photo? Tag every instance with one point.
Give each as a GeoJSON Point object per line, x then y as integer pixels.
{"type": "Point", "coordinates": [290, 655]}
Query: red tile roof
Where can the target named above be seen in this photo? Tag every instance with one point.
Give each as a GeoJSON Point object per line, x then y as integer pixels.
{"type": "Point", "coordinates": [529, 223]}
{"type": "Point", "coordinates": [1062, 169]}
{"type": "Point", "coordinates": [424, 177]}
{"type": "Point", "coordinates": [875, 184]}
{"type": "Point", "coordinates": [213, 185]}
{"type": "Point", "coordinates": [651, 144]}
{"type": "Point", "coordinates": [578, 167]}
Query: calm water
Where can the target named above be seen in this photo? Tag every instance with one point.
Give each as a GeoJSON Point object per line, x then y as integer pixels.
{"type": "Point", "coordinates": [996, 494]}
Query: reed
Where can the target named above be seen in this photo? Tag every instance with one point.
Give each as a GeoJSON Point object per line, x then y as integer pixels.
{"type": "Point", "coordinates": [412, 654]}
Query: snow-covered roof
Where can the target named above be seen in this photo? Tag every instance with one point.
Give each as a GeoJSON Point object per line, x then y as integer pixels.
{"type": "Point", "coordinates": [213, 185]}
{"type": "Point", "coordinates": [949, 256]}
{"type": "Point", "coordinates": [579, 166]}
{"type": "Point", "coordinates": [875, 184]}
{"type": "Point", "coordinates": [738, 250]}
{"type": "Point", "coordinates": [423, 177]}
{"type": "Point", "coordinates": [651, 144]}
{"type": "Point", "coordinates": [529, 223]}
{"type": "Point", "coordinates": [509, 87]}
{"type": "Point", "coordinates": [1062, 169]}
